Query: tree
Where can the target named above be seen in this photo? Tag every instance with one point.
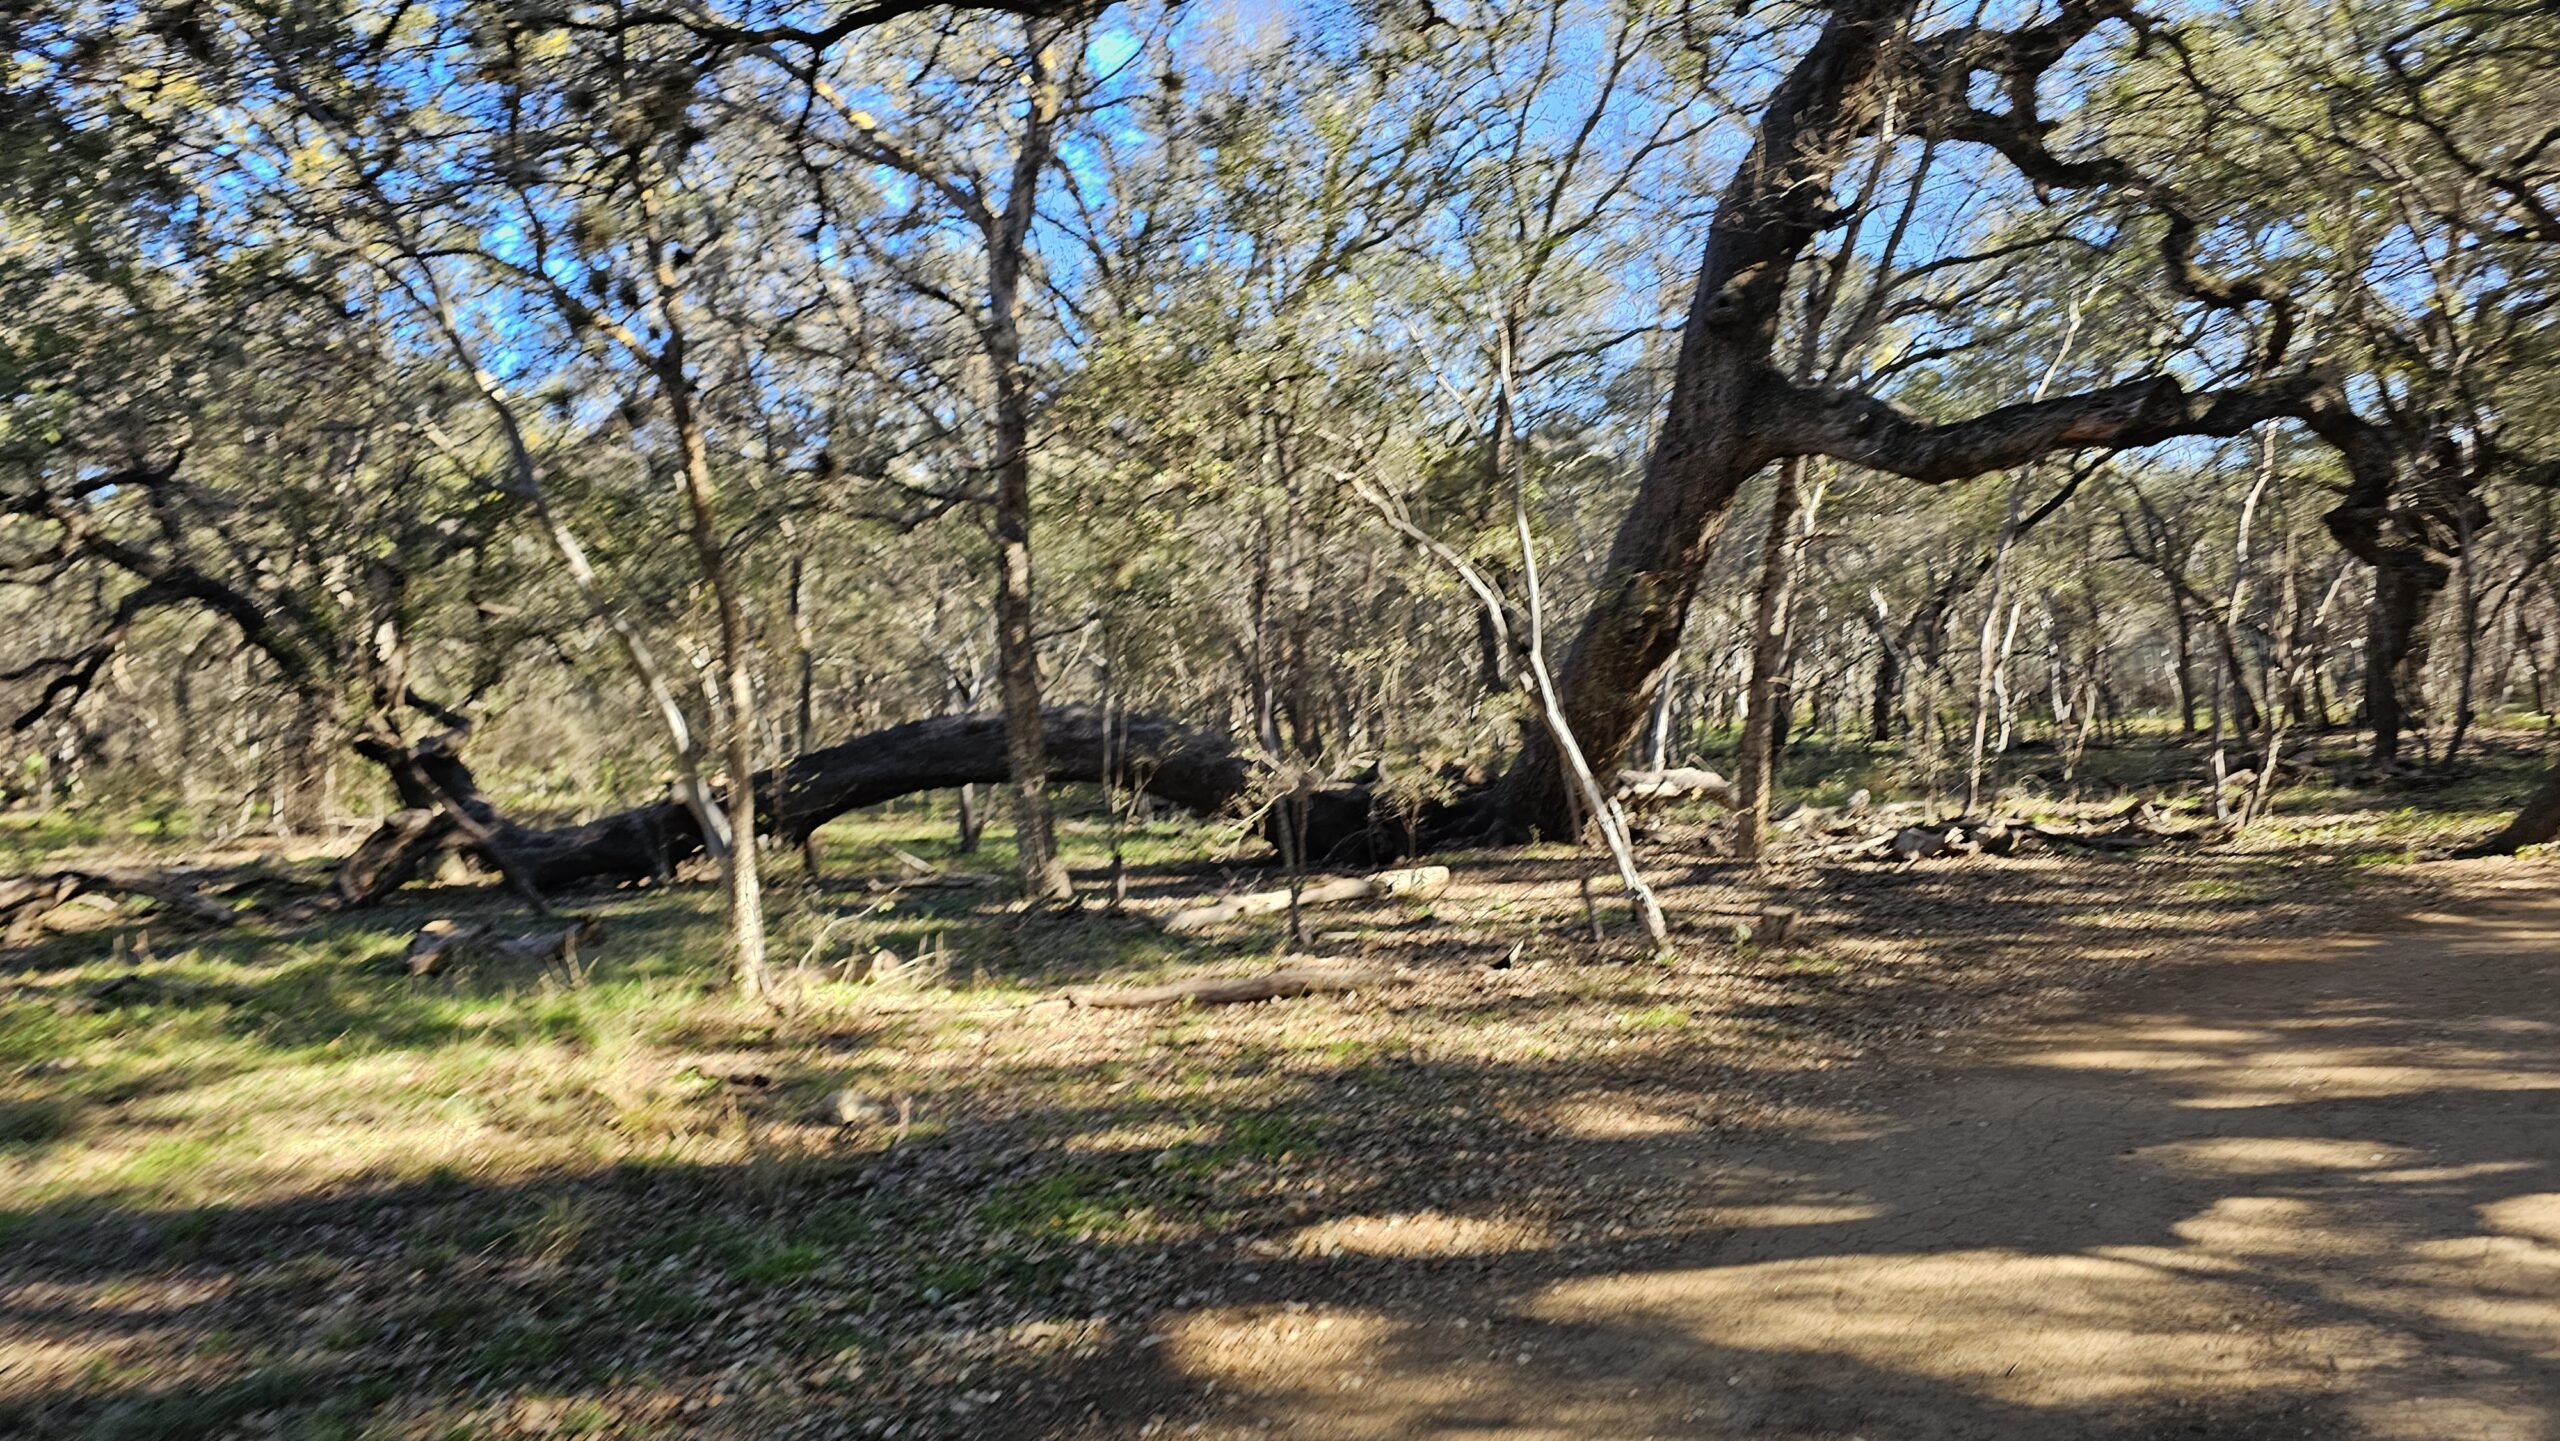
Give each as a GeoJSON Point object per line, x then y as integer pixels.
{"type": "Point", "coordinates": [1732, 410]}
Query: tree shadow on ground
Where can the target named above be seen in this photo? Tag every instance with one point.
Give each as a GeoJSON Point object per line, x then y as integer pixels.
{"type": "Point", "coordinates": [2158, 1223]}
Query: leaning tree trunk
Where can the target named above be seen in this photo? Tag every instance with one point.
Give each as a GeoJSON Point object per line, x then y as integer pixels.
{"type": "Point", "coordinates": [1776, 203]}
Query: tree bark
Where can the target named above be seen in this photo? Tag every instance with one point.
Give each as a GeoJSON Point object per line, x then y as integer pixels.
{"type": "Point", "coordinates": [1888, 687]}
{"type": "Point", "coordinates": [2536, 823]}
{"type": "Point", "coordinates": [1775, 204]}
{"type": "Point", "coordinates": [1757, 756]}
{"type": "Point", "coordinates": [1043, 874]}
{"type": "Point", "coordinates": [2394, 653]}
{"type": "Point", "coordinates": [737, 849]}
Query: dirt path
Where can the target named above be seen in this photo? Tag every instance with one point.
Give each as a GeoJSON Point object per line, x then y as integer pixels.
{"type": "Point", "coordinates": [2314, 1192]}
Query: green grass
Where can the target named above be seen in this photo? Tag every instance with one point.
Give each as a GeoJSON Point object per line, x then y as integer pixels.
{"type": "Point", "coordinates": [1654, 1018]}
{"type": "Point", "coordinates": [1075, 1204]}
{"type": "Point", "coordinates": [207, 1411]}
{"type": "Point", "coordinates": [779, 1265]}
{"type": "Point", "coordinates": [867, 842]}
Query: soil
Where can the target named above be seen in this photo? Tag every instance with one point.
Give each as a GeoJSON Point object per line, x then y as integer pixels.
{"type": "Point", "coordinates": [2192, 1143]}
{"type": "Point", "coordinates": [2302, 1188]}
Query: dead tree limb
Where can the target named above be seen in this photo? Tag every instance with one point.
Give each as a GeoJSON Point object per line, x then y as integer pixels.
{"type": "Point", "coordinates": [1419, 881]}
{"type": "Point", "coordinates": [1282, 983]}
{"type": "Point", "coordinates": [24, 900]}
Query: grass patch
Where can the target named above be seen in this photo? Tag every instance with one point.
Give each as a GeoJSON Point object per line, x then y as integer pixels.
{"type": "Point", "coordinates": [1654, 1018]}
{"type": "Point", "coordinates": [1075, 1204]}
{"type": "Point", "coordinates": [779, 1265]}
{"type": "Point", "coordinates": [209, 1411]}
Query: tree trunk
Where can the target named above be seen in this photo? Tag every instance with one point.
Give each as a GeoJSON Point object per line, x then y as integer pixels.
{"type": "Point", "coordinates": [1657, 750]}
{"type": "Point", "coordinates": [1757, 755]}
{"type": "Point", "coordinates": [736, 850]}
{"type": "Point", "coordinates": [2245, 715]}
{"type": "Point", "coordinates": [1771, 210]}
{"type": "Point", "coordinates": [804, 680]}
{"type": "Point", "coordinates": [1043, 874]}
{"type": "Point", "coordinates": [2536, 823]}
{"type": "Point", "coordinates": [1888, 691]}
{"type": "Point", "coordinates": [2394, 651]}
{"type": "Point", "coordinates": [2183, 668]}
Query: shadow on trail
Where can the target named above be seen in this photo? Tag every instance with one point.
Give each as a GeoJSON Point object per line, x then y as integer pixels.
{"type": "Point", "coordinates": [2264, 1200]}
{"type": "Point", "coordinates": [2249, 1200]}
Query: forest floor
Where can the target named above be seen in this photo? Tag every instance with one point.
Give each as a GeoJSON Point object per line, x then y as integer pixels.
{"type": "Point", "coordinates": [2242, 1140]}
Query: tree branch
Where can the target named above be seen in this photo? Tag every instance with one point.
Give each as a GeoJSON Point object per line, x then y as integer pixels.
{"type": "Point", "coordinates": [1866, 430]}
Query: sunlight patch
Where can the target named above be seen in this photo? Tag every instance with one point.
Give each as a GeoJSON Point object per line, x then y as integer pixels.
{"type": "Point", "coordinates": [2275, 1155]}
{"type": "Point", "coordinates": [1615, 1116]}
{"type": "Point", "coordinates": [2029, 1329]}
{"type": "Point", "coordinates": [2534, 1217]}
{"type": "Point", "coordinates": [1415, 1234]}
{"type": "Point", "coordinates": [1803, 1213]}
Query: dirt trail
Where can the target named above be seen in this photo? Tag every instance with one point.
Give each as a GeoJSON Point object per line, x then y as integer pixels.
{"type": "Point", "coordinates": [2309, 1192]}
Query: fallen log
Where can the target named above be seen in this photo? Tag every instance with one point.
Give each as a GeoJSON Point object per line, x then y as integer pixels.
{"type": "Point", "coordinates": [560, 945]}
{"type": "Point", "coordinates": [1417, 881]}
{"type": "Point", "coordinates": [436, 941]}
{"type": "Point", "coordinates": [1153, 756]}
{"type": "Point", "coordinates": [1645, 790]}
{"type": "Point", "coordinates": [24, 900]}
{"type": "Point", "coordinates": [2134, 828]}
{"type": "Point", "coordinates": [1299, 979]}
{"type": "Point", "coordinates": [391, 857]}
{"type": "Point", "coordinates": [1994, 837]}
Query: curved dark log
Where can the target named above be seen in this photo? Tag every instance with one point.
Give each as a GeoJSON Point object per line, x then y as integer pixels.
{"type": "Point", "coordinates": [1199, 772]}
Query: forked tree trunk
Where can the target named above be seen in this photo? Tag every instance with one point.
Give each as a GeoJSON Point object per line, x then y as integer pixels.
{"type": "Point", "coordinates": [1776, 203]}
